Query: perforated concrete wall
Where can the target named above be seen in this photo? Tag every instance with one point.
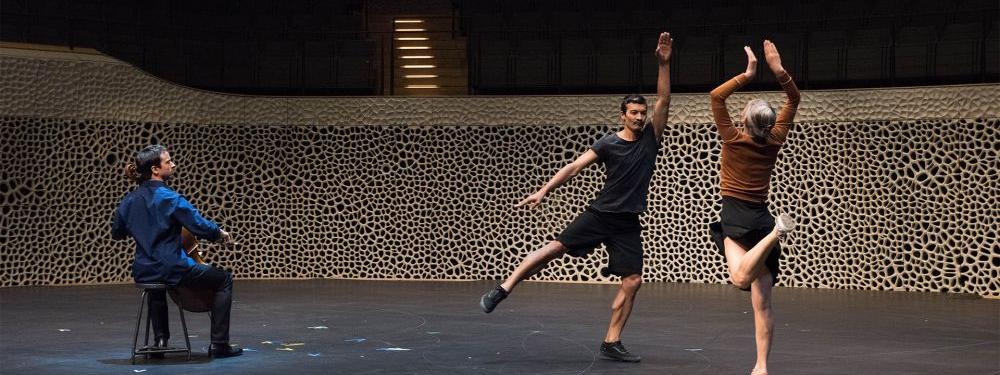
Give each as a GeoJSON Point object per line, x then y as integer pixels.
{"type": "Point", "coordinates": [895, 189]}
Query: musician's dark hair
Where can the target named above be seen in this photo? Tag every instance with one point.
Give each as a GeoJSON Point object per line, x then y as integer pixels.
{"type": "Point", "coordinates": [142, 169]}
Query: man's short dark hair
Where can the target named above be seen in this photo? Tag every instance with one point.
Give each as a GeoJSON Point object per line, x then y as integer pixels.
{"type": "Point", "coordinates": [632, 98]}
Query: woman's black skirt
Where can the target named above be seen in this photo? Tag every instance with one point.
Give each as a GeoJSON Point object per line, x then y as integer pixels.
{"type": "Point", "coordinates": [746, 223]}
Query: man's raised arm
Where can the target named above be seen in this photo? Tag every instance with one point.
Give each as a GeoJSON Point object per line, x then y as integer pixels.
{"type": "Point", "coordinates": [661, 110]}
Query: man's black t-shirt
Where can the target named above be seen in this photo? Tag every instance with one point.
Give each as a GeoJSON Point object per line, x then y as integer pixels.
{"type": "Point", "coordinates": [629, 168]}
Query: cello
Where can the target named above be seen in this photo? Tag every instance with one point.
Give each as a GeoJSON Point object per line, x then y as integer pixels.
{"type": "Point", "coordinates": [193, 300]}
{"type": "Point", "coordinates": [191, 246]}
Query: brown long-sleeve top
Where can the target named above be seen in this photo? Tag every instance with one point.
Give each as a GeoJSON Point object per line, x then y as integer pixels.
{"type": "Point", "coordinates": [746, 165]}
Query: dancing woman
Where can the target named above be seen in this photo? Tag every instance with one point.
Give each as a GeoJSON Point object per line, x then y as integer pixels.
{"type": "Point", "coordinates": [747, 234]}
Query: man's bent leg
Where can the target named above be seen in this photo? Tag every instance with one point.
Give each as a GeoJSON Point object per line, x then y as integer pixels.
{"type": "Point", "coordinates": [221, 282]}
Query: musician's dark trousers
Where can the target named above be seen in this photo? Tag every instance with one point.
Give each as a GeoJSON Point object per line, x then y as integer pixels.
{"type": "Point", "coordinates": [158, 314]}
{"type": "Point", "coordinates": [200, 276]}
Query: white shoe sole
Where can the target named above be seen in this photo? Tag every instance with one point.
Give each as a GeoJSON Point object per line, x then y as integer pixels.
{"type": "Point", "coordinates": [784, 223]}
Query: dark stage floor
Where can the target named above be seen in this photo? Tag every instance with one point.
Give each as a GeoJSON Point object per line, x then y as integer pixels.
{"type": "Point", "coordinates": [396, 327]}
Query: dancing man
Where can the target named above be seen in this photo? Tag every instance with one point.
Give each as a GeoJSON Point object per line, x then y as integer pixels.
{"type": "Point", "coordinates": [629, 157]}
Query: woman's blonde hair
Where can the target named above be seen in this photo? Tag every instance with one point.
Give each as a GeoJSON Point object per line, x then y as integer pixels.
{"type": "Point", "coordinates": [759, 117]}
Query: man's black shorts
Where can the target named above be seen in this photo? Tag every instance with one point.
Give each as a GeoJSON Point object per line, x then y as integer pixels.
{"type": "Point", "coordinates": [621, 233]}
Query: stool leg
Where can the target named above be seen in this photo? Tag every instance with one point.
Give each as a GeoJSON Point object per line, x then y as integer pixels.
{"type": "Point", "coordinates": [138, 320]}
{"type": "Point", "coordinates": [187, 340]}
{"type": "Point", "coordinates": [145, 340]}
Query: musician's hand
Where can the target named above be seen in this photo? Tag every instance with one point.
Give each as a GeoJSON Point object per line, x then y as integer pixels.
{"type": "Point", "coordinates": [225, 238]}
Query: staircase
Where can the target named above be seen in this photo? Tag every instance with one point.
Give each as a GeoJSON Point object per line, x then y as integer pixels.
{"type": "Point", "coordinates": [427, 55]}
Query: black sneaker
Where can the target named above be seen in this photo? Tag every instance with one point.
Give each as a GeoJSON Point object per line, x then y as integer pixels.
{"type": "Point", "coordinates": [616, 351]}
{"type": "Point", "coordinates": [492, 298]}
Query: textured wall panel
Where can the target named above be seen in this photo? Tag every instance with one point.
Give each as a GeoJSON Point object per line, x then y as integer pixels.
{"type": "Point", "coordinates": [889, 196]}
{"type": "Point", "coordinates": [93, 87]}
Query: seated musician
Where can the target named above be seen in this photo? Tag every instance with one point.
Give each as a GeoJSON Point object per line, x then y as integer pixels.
{"type": "Point", "coordinates": [153, 215]}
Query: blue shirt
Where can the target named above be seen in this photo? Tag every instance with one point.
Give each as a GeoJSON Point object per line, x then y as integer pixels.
{"type": "Point", "coordinates": [153, 215]}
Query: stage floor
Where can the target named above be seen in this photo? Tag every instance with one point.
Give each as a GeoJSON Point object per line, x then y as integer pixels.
{"type": "Point", "coordinates": [403, 327]}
